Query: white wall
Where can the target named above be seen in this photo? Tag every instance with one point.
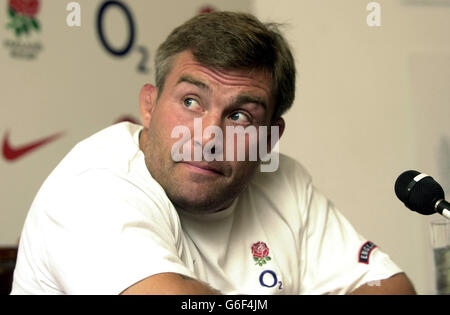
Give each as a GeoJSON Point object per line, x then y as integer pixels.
{"type": "Point", "coordinates": [360, 116]}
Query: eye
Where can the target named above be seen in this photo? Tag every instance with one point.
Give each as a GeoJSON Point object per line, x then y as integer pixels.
{"type": "Point", "coordinates": [192, 104]}
{"type": "Point", "coordinates": [239, 117]}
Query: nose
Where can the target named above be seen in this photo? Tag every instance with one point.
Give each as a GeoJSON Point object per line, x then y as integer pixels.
{"type": "Point", "coordinates": [211, 125]}
{"type": "Point", "coordinates": [211, 138]}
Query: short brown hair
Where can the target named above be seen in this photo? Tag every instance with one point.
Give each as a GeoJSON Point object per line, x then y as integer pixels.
{"type": "Point", "coordinates": [231, 40]}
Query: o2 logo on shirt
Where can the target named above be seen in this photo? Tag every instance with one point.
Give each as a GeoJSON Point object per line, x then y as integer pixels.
{"type": "Point", "coordinates": [269, 279]}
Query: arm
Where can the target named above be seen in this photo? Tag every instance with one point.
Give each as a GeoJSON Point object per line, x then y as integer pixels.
{"type": "Point", "coordinates": [170, 284]}
{"type": "Point", "coordinates": [397, 284]}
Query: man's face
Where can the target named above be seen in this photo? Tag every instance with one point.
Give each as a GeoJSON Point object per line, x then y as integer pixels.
{"type": "Point", "coordinates": [216, 98]}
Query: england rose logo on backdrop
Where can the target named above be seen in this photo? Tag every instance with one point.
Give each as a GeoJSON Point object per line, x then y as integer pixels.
{"type": "Point", "coordinates": [22, 14]}
{"type": "Point", "coordinates": [23, 22]}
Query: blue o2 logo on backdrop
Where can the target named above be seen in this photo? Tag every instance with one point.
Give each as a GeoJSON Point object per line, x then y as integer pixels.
{"type": "Point", "coordinates": [131, 29]}
{"type": "Point", "coordinates": [131, 37]}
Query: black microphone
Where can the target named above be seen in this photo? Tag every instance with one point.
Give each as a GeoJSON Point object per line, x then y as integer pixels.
{"type": "Point", "coordinates": [421, 193]}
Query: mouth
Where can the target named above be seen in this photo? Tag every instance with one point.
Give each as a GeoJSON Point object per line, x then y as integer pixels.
{"type": "Point", "coordinates": [203, 168]}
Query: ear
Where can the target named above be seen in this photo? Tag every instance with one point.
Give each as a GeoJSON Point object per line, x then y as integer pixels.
{"type": "Point", "coordinates": [147, 102]}
{"type": "Point", "coordinates": [280, 123]}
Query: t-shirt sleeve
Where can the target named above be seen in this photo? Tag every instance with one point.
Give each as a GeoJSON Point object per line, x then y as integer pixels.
{"type": "Point", "coordinates": [102, 234]}
{"type": "Point", "coordinates": [335, 258]}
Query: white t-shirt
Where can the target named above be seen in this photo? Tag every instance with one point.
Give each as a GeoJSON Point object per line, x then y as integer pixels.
{"type": "Point", "coordinates": [100, 223]}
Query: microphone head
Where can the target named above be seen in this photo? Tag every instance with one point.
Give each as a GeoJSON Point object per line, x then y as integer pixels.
{"type": "Point", "coordinates": [419, 192]}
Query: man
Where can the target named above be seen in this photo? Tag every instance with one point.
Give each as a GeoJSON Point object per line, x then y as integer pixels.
{"type": "Point", "coordinates": [121, 215]}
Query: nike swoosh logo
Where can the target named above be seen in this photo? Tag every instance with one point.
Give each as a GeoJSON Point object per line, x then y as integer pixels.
{"type": "Point", "coordinates": [11, 153]}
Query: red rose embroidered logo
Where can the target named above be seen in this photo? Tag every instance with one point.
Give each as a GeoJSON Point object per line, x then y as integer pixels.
{"type": "Point", "coordinates": [260, 253]}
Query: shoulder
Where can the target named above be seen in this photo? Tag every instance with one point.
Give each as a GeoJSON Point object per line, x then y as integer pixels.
{"type": "Point", "coordinates": [290, 178]}
{"type": "Point", "coordinates": [284, 193]}
{"type": "Point", "coordinates": [111, 147]}
{"type": "Point", "coordinates": [103, 196]}
{"type": "Point", "coordinates": [104, 175]}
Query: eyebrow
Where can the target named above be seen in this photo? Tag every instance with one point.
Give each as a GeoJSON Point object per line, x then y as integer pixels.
{"type": "Point", "coordinates": [239, 100]}
{"type": "Point", "coordinates": [193, 81]}
{"type": "Point", "coordinates": [245, 99]}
